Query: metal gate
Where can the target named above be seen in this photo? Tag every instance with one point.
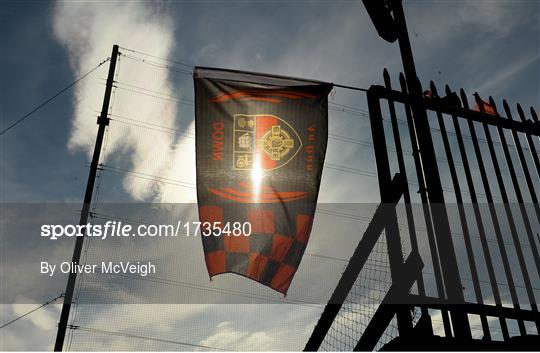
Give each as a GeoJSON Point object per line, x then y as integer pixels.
{"type": "Point", "coordinates": [494, 211]}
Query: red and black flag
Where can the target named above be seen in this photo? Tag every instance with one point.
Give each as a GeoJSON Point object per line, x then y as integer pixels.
{"type": "Point", "coordinates": [260, 146]}
{"type": "Point", "coordinates": [483, 106]}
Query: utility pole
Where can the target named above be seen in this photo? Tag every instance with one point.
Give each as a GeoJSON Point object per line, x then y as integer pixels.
{"type": "Point", "coordinates": [103, 122]}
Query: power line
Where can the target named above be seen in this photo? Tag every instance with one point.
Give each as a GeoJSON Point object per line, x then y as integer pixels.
{"type": "Point", "coordinates": [184, 284]}
{"type": "Point", "coordinates": [350, 87]}
{"type": "Point", "coordinates": [343, 215]}
{"type": "Point", "coordinates": [156, 64]}
{"type": "Point", "coordinates": [137, 123]}
{"type": "Point", "coordinates": [192, 66]}
{"type": "Point", "coordinates": [175, 182]}
{"type": "Point", "coordinates": [150, 177]}
{"type": "Point", "coordinates": [156, 94]}
{"type": "Point", "coordinates": [250, 294]}
{"type": "Point", "coordinates": [332, 136]}
{"type": "Point", "coordinates": [338, 107]}
{"type": "Point", "coordinates": [159, 58]}
{"type": "Point", "coordinates": [162, 95]}
{"type": "Point", "coordinates": [146, 338]}
{"type": "Point", "coordinates": [164, 180]}
{"type": "Point", "coordinates": [31, 311]}
{"type": "Point", "coordinates": [52, 98]}
{"type": "Point", "coordinates": [126, 219]}
{"type": "Point", "coordinates": [155, 127]}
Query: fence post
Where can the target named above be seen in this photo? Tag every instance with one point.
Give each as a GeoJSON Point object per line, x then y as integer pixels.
{"type": "Point", "coordinates": [425, 207]}
{"type": "Point", "coordinates": [406, 195]}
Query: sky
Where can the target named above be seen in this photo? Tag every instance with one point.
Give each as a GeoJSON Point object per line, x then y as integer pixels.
{"type": "Point", "coordinates": [487, 46]}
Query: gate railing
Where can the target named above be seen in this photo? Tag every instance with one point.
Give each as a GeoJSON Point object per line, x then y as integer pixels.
{"type": "Point", "coordinates": [508, 220]}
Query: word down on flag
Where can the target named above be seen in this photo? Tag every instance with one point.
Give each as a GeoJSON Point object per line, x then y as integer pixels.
{"type": "Point", "coordinates": [260, 147]}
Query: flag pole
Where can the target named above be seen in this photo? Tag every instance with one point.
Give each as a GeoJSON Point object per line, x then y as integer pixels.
{"type": "Point", "coordinates": [103, 122]}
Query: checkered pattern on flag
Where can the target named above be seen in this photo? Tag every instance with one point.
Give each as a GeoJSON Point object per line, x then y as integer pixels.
{"type": "Point", "coordinates": [260, 146]}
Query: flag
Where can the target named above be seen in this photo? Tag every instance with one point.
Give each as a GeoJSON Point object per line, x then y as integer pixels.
{"type": "Point", "coordinates": [260, 147]}
{"type": "Point", "coordinates": [484, 107]}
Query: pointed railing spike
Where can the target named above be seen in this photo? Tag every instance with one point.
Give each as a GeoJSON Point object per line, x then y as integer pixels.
{"type": "Point", "coordinates": [433, 88]}
{"type": "Point", "coordinates": [534, 115]}
{"type": "Point", "coordinates": [492, 103]}
{"type": "Point", "coordinates": [387, 80]}
{"type": "Point", "coordinates": [521, 113]}
{"type": "Point", "coordinates": [464, 99]}
{"type": "Point", "coordinates": [447, 89]}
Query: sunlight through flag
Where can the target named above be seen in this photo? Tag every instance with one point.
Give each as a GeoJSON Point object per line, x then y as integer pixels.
{"type": "Point", "coordinates": [260, 147]}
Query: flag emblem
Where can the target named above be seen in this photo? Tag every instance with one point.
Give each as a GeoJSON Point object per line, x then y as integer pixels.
{"type": "Point", "coordinates": [276, 143]}
{"type": "Point", "coordinates": [263, 141]}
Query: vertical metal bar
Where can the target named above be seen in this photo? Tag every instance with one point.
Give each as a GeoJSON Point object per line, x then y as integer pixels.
{"type": "Point", "coordinates": [462, 216]}
{"type": "Point", "coordinates": [506, 202]}
{"type": "Point", "coordinates": [406, 195]}
{"type": "Point", "coordinates": [534, 115]}
{"type": "Point", "coordinates": [426, 210]}
{"type": "Point", "coordinates": [493, 212]}
{"type": "Point", "coordinates": [529, 138]}
{"type": "Point", "coordinates": [478, 218]}
{"type": "Point", "coordinates": [536, 122]}
{"type": "Point", "coordinates": [452, 281]}
{"type": "Point", "coordinates": [103, 121]}
{"type": "Point", "coordinates": [393, 241]}
{"type": "Point", "coordinates": [532, 147]}
{"type": "Point", "coordinates": [532, 192]}
{"type": "Point", "coordinates": [366, 244]}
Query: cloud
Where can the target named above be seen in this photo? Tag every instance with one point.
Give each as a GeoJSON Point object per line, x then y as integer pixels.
{"type": "Point", "coordinates": [450, 19]}
{"type": "Point", "coordinates": [227, 336]}
{"type": "Point", "coordinates": [41, 324]}
{"type": "Point", "coordinates": [496, 83]}
{"type": "Point", "coordinates": [43, 320]}
{"type": "Point", "coordinates": [88, 32]}
{"type": "Point", "coordinates": [260, 327]}
{"type": "Point", "coordinates": [492, 17]}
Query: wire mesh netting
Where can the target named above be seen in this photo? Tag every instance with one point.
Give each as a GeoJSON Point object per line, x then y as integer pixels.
{"type": "Point", "coordinates": [362, 302]}
{"type": "Point", "coordinates": [148, 156]}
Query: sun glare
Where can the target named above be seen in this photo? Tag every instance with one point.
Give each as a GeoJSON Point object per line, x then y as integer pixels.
{"type": "Point", "coordinates": [257, 176]}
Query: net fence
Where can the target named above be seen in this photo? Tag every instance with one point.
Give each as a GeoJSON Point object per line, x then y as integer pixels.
{"type": "Point", "coordinates": [148, 157]}
{"type": "Point", "coordinates": [362, 302]}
